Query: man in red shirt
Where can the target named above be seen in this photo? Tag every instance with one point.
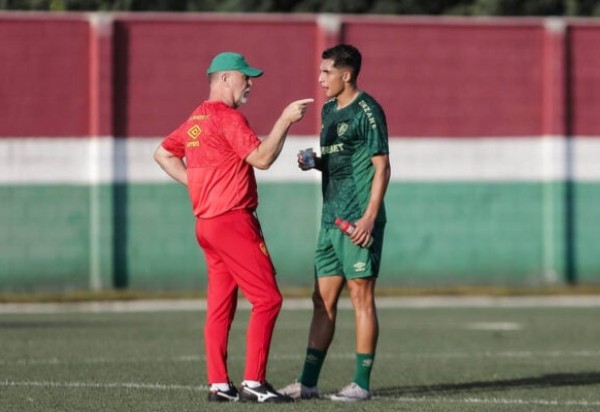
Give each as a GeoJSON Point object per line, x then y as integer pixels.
{"type": "Point", "coordinates": [220, 151]}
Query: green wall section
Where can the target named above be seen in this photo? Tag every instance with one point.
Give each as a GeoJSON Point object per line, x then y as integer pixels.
{"type": "Point", "coordinates": [478, 233]}
{"type": "Point", "coordinates": [437, 234]}
{"type": "Point", "coordinates": [586, 239]}
{"type": "Point", "coordinates": [45, 241]}
{"type": "Point", "coordinates": [161, 246]}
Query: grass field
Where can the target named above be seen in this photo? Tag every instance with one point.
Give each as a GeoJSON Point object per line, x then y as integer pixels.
{"type": "Point", "coordinates": [455, 356]}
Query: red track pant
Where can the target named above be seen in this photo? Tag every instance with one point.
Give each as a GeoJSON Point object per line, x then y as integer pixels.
{"type": "Point", "coordinates": [236, 257]}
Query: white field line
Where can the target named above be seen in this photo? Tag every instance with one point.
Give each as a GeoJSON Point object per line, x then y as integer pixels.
{"type": "Point", "coordinates": [296, 357]}
{"type": "Point", "coordinates": [494, 326]}
{"type": "Point", "coordinates": [203, 388]}
{"type": "Point", "coordinates": [305, 304]}
{"type": "Point", "coordinates": [99, 385]}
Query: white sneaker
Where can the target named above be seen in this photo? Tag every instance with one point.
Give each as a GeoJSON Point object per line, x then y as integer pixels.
{"type": "Point", "coordinates": [352, 393]}
{"type": "Point", "coordinates": [297, 390]}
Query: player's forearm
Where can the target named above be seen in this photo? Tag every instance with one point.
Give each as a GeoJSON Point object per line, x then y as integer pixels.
{"type": "Point", "coordinates": [379, 185]}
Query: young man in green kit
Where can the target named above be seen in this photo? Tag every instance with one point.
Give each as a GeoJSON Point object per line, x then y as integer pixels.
{"type": "Point", "coordinates": [355, 174]}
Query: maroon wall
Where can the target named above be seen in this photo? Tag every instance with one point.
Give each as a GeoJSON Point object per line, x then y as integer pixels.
{"type": "Point", "coordinates": [141, 74]}
{"type": "Point", "coordinates": [44, 65]}
{"type": "Point", "coordinates": [161, 65]}
{"type": "Point", "coordinates": [584, 79]}
{"type": "Point", "coordinates": [449, 79]}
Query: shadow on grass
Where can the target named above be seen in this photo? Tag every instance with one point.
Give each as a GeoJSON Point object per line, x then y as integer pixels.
{"type": "Point", "coordinates": [543, 381]}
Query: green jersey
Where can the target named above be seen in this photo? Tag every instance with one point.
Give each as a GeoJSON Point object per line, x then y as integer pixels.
{"type": "Point", "coordinates": [350, 137]}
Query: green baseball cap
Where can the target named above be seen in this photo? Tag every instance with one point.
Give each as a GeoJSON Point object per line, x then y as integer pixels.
{"type": "Point", "coordinates": [232, 61]}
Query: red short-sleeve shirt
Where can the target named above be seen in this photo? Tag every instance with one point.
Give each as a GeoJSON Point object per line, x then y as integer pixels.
{"type": "Point", "coordinates": [215, 140]}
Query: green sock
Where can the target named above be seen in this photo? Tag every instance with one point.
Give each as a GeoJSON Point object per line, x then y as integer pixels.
{"type": "Point", "coordinates": [312, 367]}
{"type": "Point", "coordinates": [364, 364]}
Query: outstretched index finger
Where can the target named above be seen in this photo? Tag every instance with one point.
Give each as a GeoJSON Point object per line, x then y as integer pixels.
{"type": "Point", "coordinates": [305, 101]}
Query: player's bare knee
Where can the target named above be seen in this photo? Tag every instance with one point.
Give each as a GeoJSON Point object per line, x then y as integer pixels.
{"type": "Point", "coordinates": [362, 298]}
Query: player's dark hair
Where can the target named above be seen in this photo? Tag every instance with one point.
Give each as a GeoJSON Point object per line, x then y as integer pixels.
{"type": "Point", "coordinates": [347, 56]}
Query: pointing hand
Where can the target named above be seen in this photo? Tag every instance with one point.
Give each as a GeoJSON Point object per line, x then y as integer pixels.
{"type": "Point", "coordinates": [294, 112]}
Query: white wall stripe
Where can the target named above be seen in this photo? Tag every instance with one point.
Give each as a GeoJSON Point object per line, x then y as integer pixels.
{"type": "Point", "coordinates": [502, 159]}
{"type": "Point", "coordinates": [586, 153]}
{"type": "Point", "coordinates": [52, 160]}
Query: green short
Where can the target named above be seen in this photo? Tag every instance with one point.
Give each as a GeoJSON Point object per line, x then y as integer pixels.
{"type": "Point", "coordinates": [337, 255]}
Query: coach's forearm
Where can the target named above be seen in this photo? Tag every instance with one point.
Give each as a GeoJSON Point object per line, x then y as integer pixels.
{"type": "Point", "coordinates": [267, 152]}
{"type": "Point", "coordinates": [269, 149]}
{"type": "Point", "coordinates": [171, 164]}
